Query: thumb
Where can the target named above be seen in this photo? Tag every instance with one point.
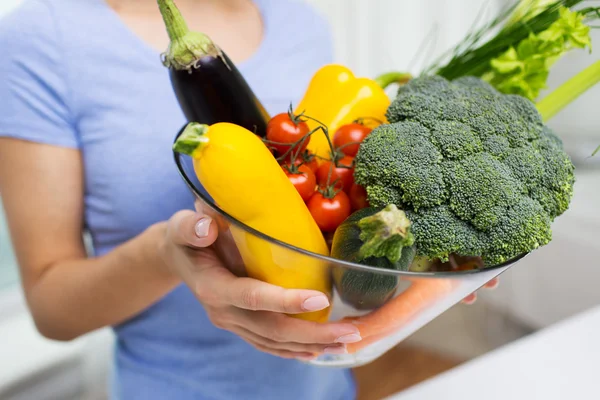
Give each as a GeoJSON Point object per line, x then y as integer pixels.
{"type": "Point", "coordinates": [192, 229]}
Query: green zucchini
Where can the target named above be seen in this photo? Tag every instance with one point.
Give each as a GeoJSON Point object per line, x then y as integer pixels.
{"type": "Point", "coordinates": [378, 237]}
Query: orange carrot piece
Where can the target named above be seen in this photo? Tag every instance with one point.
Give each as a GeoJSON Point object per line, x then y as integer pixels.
{"type": "Point", "coordinates": [399, 310]}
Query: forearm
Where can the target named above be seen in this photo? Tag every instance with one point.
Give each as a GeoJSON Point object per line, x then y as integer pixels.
{"type": "Point", "coordinates": [74, 297]}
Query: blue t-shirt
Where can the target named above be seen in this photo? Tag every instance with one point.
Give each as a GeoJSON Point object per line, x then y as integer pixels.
{"type": "Point", "coordinates": [72, 74]}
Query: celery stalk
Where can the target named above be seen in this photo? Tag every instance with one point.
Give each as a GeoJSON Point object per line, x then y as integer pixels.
{"type": "Point", "coordinates": [558, 99]}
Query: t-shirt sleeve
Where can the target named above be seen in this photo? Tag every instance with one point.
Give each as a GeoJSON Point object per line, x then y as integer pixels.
{"type": "Point", "coordinates": [34, 96]}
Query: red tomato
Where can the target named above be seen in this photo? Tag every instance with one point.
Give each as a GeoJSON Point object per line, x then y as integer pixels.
{"type": "Point", "coordinates": [350, 133]}
{"type": "Point", "coordinates": [342, 172]}
{"type": "Point", "coordinates": [283, 132]}
{"type": "Point", "coordinates": [329, 213]}
{"type": "Point", "coordinates": [308, 159]}
{"type": "Point", "coordinates": [304, 181]}
{"type": "Point", "coordinates": [358, 197]}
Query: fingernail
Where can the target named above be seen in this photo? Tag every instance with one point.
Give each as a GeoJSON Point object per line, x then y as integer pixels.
{"type": "Point", "coordinates": [492, 285]}
{"type": "Point", "coordinates": [351, 338]}
{"type": "Point", "coordinates": [335, 350]}
{"type": "Point", "coordinates": [315, 303]}
{"type": "Point", "coordinates": [470, 299]}
{"type": "Point", "coordinates": [203, 227]}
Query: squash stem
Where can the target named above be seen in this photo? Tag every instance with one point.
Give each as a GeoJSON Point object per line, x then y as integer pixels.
{"type": "Point", "coordinates": [191, 139]}
{"type": "Point", "coordinates": [385, 234]}
{"type": "Point", "coordinates": [550, 105]}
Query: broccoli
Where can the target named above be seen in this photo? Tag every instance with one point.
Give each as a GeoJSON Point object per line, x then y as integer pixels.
{"type": "Point", "coordinates": [477, 171]}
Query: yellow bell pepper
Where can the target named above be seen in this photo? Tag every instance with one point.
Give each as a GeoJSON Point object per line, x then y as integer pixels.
{"type": "Point", "coordinates": [336, 97]}
{"type": "Point", "coordinates": [244, 179]}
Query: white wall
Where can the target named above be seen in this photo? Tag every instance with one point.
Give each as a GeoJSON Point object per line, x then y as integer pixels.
{"type": "Point", "coordinates": [379, 35]}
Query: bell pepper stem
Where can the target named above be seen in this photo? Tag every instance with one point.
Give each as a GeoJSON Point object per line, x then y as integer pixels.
{"type": "Point", "coordinates": [191, 139]}
{"type": "Point", "coordinates": [185, 47]}
{"type": "Point", "coordinates": [554, 102]}
{"type": "Point", "coordinates": [385, 234]}
{"type": "Point", "coordinates": [385, 80]}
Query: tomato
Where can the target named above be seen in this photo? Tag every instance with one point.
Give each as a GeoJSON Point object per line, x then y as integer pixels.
{"type": "Point", "coordinates": [308, 159]}
{"type": "Point", "coordinates": [329, 213]}
{"type": "Point", "coordinates": [304, 180]}
{"type": "Point", "coordinates": [358, 197]}
{"type": "Point", "coordinates": [283, 131]}
{"type": "Point", "coordinates": [344, 172]}
{"type": "Point", "coordinates": [350, 133]}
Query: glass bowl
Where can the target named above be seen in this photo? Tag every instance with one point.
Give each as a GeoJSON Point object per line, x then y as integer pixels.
{"type": "Point", "coordinates": [402, 303]}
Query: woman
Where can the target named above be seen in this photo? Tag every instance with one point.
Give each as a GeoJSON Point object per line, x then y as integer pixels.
{"type": "Point", "coordinates": [86, 122]}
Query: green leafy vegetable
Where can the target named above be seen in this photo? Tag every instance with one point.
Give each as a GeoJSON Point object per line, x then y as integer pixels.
{"type": "Point", "coordinates": [515, 23]}
{"type": "Point", "coordinates": [523, 69]}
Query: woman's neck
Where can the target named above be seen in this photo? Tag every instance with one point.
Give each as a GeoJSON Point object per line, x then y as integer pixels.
{"type": "Point", "coordinates": [216, 18]}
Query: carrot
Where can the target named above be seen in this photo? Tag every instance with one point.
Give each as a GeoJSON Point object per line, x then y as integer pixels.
{"type": "Point", "coordinates": [398, 311]}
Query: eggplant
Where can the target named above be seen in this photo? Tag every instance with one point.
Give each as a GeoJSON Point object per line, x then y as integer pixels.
{"type": "Point", "coordinates": [377, 237]}
{"type": "Point", "coordinates": [208, 86]}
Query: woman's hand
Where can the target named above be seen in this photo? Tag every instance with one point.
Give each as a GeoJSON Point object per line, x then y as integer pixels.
{"type": "Point", "coordinates": [252, 309]}
{"type": "Point", "coordinates": [472, 298]}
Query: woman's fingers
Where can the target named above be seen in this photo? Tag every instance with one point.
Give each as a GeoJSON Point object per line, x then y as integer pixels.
{"type": "Point", "coordinates": [255, 295]}
{"type": "Point", "coordinates": [191, 229]}
{"type": "Point", "coordinates": [282, 328]}
{"type": "Point", "coordinates": [470, 299]}
{"type": "Point", "coordinates": [493, 284]}
{"type": "Point", "coordinates": [281, 353]}
{"type": "Point", "coordinates": [291, 346]}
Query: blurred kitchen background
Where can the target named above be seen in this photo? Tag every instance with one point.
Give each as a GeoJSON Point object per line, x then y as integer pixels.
{"type": "Point", "coordinates": [552, 284]}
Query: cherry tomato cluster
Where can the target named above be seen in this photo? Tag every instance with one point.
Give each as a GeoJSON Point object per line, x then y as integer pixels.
{"type": "Point", "coordinates": [326, 186]}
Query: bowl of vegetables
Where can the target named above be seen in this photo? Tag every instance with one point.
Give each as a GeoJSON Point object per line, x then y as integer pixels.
{"type": "Point", "coordinates": [461, 182]}
{"type": "Point", "coordinates": [394, 208]}
{"type": "Point", "coordinates": [387, 300]}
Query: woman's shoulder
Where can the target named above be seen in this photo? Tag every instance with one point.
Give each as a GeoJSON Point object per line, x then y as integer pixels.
{"type": "Point", "coordinates": [35, 24]}
{"type": "Point", "coordinates": [34, 95]}
{"type": "Point", "coordinates": [29, 20]}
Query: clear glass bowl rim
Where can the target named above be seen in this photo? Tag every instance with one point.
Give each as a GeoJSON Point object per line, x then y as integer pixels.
{"type": "Point", "coordinates": [436, 274]}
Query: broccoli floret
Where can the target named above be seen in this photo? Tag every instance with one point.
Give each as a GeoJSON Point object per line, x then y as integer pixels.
{"type": "Point", "coordinates": [476, 171]}
{"type": "Point", "coordinates": [554, 189]}
{"type": "Point", "coordinates": [496, 146]}
{"type": "Point", "coordinates": [455, 139]}
{"type": "Point", "coordinates": [402, 169]}
{"type": "Point", "coordinates": [523, 227]}
{"type": "Point", "coordinates": [381, 195]}
{"type": "Point", "coordinates": [467, 177]}
{"type": "Point", "coordinates": [441, 233]}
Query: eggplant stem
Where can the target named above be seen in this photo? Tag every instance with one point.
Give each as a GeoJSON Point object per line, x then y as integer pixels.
{"type": "Point", "coordinates": [185, 47]}
{"type": "Point", "coordinates": [174, 22]}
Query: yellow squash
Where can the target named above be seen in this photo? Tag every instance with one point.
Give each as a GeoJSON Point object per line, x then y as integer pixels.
{"type": "Point", "coordinates": [336, 97]}
{"type": "Point", "coordinates": [245, 180]}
